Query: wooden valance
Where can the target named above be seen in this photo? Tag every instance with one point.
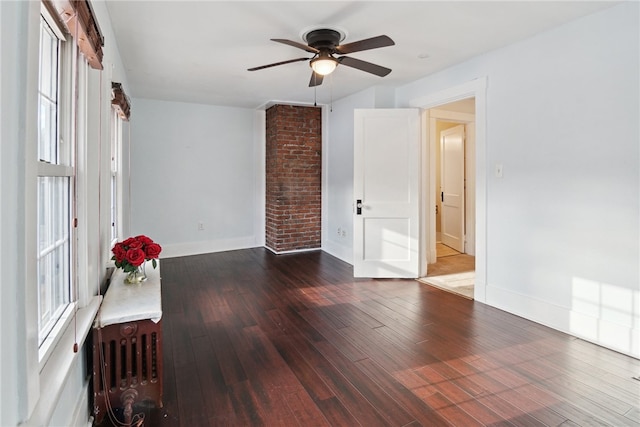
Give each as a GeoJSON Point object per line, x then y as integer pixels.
{"type": "Point", "coordinates": [120, 101]}
{"type": "Point", "coordinates": [78, 18]}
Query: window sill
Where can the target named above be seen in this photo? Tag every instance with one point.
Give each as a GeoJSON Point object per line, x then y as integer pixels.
{"type": "Point", "coordinates": [50, 343]}
{"type": "Point", "coordinates": [54, 373]}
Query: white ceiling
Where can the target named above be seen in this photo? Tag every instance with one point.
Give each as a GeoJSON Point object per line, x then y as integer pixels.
{"type": "Point", "coordinates": [199, 51]}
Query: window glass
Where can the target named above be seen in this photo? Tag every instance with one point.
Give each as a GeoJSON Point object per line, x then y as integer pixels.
{"type": "Point", "coordinates": [53, 251]}
{"type": "Point", "coordinates": [53, 193]}
{"type": "Point", "coordinates": [48, 94]}
{"type": "Point", "coordinates": [116, 140]}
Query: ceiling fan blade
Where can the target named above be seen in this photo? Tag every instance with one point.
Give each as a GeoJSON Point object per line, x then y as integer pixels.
{"type": "Point", "coordinates": [366, 44]}
{"type": "Point", "coordinates": [364, 66]}
{"type": "Point", "coordinates": [316, 79]}
{"type": "Point", "coordinates": [298, 45]}
{"type": "Point", "coordinates": [277, 63]}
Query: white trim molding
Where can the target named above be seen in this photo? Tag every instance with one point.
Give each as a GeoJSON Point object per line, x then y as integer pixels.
{"type": "Point", "coordinates": [477, 89]}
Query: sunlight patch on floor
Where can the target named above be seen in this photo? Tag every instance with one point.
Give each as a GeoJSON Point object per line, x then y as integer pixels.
{"type": "Point", "coordinates": [458, 283]}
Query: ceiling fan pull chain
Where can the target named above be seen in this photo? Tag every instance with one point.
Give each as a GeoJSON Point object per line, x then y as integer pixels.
{"type": "Point", "coordinates": [331, 93]}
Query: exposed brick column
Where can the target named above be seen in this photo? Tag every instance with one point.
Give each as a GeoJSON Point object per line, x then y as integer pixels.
{"type": "Point", "coordinates": [293, 168]}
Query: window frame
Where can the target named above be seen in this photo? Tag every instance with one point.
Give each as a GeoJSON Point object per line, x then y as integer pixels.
{"type": "Point", "coordinates": [115, 175]}
{"type": "Point", "coordinates": [60, 165]}
{"type": "Point", "coordinates": [45, 374]}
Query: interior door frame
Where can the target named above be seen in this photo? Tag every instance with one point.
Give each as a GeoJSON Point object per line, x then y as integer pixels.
{"type": "Point", "coordinates": [436, 115]}
{"type": "Point", "coordinates": [473, 89]}
{"type": "Point", "coordinates": [439, 139]}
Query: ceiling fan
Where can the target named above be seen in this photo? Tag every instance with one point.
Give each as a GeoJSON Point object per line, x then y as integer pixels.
{"type": "Point", "coordinates": [324, 44]}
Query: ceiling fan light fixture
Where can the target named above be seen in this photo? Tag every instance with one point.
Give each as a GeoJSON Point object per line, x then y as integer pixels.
{"type": "Point", "coordinates": [324, 65]}
{"type": "Point", "coordinates": [324, 43]}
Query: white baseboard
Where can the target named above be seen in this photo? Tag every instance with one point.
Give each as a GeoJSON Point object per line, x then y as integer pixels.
{"type": "Point", "coordinates": [294, 251]}
{"type": "Point", "coordinates": [344, 253]}
{"type": "Point", "coordinates": [618, 337]}
{"type": "Point", "coordinates": [196, 248]}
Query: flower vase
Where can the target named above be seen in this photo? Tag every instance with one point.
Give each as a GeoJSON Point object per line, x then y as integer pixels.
{"type": "Point", "coordinates": [136, 276]}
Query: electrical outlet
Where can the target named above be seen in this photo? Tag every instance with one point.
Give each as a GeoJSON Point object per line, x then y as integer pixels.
{"type": "Point", "coordinates": [200, 225]}
{"type": "Point", "coordinates": [339, 231]}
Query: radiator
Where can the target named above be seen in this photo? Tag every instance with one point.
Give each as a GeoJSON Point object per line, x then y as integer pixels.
{"type": "Point", "coordinates": [127, 366]}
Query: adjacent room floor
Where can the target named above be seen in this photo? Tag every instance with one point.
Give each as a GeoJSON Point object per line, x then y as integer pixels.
{"type": "Point", "coordinates": [453, 272]}
{"type": "Point", "coordinates": [450, 261]}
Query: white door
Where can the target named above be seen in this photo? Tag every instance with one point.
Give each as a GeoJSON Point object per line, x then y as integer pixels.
{"type": "Point", "coordinates": [452, 183]}
{"type": "Point", "coordinates": [386, 178]}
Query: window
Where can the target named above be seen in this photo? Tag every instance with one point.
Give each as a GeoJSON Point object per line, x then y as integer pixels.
{"type": "Point", "coordinates": [120, 112]}
{"type": "Point", "coordinates": [55, 185]}
{"type": "Point", "coordinates": [116, 141]}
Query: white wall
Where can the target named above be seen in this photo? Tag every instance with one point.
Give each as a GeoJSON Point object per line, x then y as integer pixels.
{"type": "Point", "coordinates": [12, 105]}
{"type": "Point", "coordinates": [562, 225]}
{"type": "Point", "coordinates": [337, 171]}
{"type": "Point", "coordinates": [194, 164]}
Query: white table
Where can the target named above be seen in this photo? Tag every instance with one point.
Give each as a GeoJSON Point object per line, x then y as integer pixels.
{"type": "Point", "coordinates": [127, 303]}
{"type": "Point", "coordinates": [127, 344]}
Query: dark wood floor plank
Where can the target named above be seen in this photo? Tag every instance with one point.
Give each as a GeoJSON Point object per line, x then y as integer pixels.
{"type": "Point", "coordinates": [350, 397]}
{"type": "Point", "coordinates": [592, 391]}
{"type": "Point", "coordinates": [586, 405]}
{"type": "Point", "coordinates": [323, 396]}
{"type": "Point", "coordinates": [401, 394]}
{"type": "Point", "coordinates": [304, 372]}
{"type": "Point", "coordinates": [271, 402]}
{"type": "Point", "coordinates": [348, 314]}
{"type": "Point", "coordinates": [411, 329]}
{"type": "Point", "coordinates": [190, 403]}
{"type": "Point", "coordinates": [372, 345]}
{"type": "Point", "coordinates": [210, 375]}
{"type": "Point", "coordinates": [446, 388]}
{"type": "Point", "coordinates": [569, 410]}
{"type": "Point", "coordinates": [239, 314]}
{"type": "Point", "coordinates": [483, 414]}
{"type": "Point", "coordinates": [509, 412]}
{"type": "Point", "coordinates": [305, 411]}
{"type": "Point", "coordinates": [246, 410]}
{"type": "Point", "coordinates": [453, 413]}
{"type": "Point", "coordinates": [525, 405]}
{"type": "Point", "coordinates": [582, 396]}
{"type": "Point", "coordinates": [473, 380]}
{"type": "Point", "coordinates": [614, 385]}
{"type": "Point", "coordinates": [316, 319]}
{"type": "Point", "coordinates": [336, 413]}
{"type": "Point", "coordinates": [230, 366]}
{"type": "Point", "coordinates": [256, 339]}
{"type": "Point", "coordinates": [381, 401]}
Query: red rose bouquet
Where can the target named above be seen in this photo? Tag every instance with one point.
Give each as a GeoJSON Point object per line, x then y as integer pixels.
{"type": "Point", "coordinates": [131, 253]}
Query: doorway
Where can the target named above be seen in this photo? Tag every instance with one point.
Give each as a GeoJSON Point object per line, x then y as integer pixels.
{"type": "Point", "coordinates": [451, 265]}
{"type": "Point", "coordinates": [477, 89]}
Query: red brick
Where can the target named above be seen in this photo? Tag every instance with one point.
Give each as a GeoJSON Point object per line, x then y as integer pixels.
{"type": "Point", "coordinates": [293, 205]}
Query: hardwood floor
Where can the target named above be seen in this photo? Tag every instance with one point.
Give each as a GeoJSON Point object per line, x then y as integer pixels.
{"type": "Point", "coordinates": [255, 339]}
{"type": "Point", "coordinates": [451, 264]}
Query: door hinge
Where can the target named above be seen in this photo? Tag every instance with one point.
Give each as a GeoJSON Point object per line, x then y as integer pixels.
{"type": "Point", "coordinates": [75, 222]}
